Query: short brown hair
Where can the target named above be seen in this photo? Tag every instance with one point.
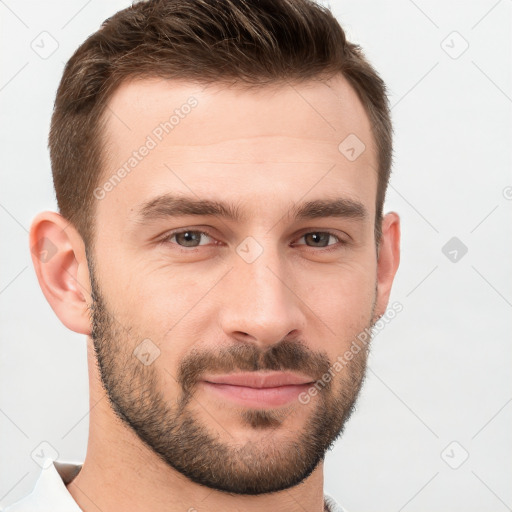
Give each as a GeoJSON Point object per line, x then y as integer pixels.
{"type": "Point", "coordinates": [253, 42]}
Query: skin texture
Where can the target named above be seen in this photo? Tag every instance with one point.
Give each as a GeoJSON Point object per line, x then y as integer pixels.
{"type": "Point", "coordinates": [158, 439]}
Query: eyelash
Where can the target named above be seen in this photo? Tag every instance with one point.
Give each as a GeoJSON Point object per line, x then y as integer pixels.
{"type": "Point", "coordinates": [169, 236]}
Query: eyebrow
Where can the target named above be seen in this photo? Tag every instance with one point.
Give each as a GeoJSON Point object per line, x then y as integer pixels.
{"type": "Point", "coordinates": [168, 205]}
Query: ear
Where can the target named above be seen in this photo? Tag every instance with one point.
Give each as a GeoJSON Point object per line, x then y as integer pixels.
{"type": "Point", "coordinates": [388, 260]}
{"type": "Point", "coordinates": [58, 255]}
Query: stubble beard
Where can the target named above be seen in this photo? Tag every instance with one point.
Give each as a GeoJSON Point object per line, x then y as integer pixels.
{"type": "Point", "coordinates": [277, 459]}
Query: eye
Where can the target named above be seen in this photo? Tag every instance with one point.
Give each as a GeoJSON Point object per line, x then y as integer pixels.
{"type": "Point", "coordinates": [320, 239]}
{"type": "Point", "coordinates": [190, 238]}
{"type": "Point", "coordinates": [186, 238]}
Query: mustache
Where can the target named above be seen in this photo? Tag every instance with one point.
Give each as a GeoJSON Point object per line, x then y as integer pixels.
{"type": "Point", "coordinates": [285, 355]}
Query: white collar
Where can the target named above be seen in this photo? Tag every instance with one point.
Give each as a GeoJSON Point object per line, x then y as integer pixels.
{"type": "Point", "coordinates": [50, 493]}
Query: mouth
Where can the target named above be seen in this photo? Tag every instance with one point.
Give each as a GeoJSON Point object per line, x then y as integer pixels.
{"type": "Point", "coordinates": [258, 389]}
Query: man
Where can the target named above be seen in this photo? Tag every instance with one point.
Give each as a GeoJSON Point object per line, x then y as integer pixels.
{"type": "Point", "coordinates": [220, 169]}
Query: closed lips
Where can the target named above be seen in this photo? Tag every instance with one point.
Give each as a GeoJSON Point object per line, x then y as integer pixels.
{"type": "Point", "coordinates": [259, 379]}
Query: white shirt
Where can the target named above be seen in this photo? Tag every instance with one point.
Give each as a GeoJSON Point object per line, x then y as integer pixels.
{"type": "Point", "coordinates": [50, 493]}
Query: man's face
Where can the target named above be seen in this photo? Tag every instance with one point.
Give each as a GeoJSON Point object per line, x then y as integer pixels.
{"type": "Point", "coordinates": [183, 299]}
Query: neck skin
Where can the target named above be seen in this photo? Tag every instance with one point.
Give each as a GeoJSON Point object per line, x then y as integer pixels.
{"type": "Point", "coordinates": [120, 473]}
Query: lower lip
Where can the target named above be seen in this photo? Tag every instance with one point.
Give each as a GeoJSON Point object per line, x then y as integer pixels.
{"type": "Point", "coordinates": [257, 397]}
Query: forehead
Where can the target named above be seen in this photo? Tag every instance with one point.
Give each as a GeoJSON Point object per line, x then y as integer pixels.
{"type": "Point", "coordinates": [172, 136]}
{"type": "Point", "coordinates": [320, 111]}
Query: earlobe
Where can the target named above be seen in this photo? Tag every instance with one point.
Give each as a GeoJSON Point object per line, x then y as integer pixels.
{"type": "Point", "coordinates": [388, 260]}
{"type": "Point", "coordinates": [58, 256]}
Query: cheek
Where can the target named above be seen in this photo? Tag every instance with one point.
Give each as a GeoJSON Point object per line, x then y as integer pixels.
{"type": "Point", "coordinates": [170, 306]}
{"type": "Point", "coordinates": [341, 302]}
{"type": "Point", "coordinates": [155, 291]}
{"type": "Point", "coordinates": [347, 290]}
{"type": "Point", "coordinates": [176, 306]}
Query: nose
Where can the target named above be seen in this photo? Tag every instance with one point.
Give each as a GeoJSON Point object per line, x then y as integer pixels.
{"type": "Point", "coordinates": [259, 304]}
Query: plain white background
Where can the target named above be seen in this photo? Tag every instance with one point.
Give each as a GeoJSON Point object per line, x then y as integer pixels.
{"type": "Point", "coordinates": [432, 427]}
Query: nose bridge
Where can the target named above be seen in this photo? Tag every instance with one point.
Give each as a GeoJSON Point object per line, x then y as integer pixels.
{"type": "Point", "coordinates": [265, 286]}
{"type": "Point", "coordinates": [260, 302]}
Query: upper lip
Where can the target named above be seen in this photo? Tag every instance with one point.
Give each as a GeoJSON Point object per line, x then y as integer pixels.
{"type": "Point", "coordinates": [259, 379]}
